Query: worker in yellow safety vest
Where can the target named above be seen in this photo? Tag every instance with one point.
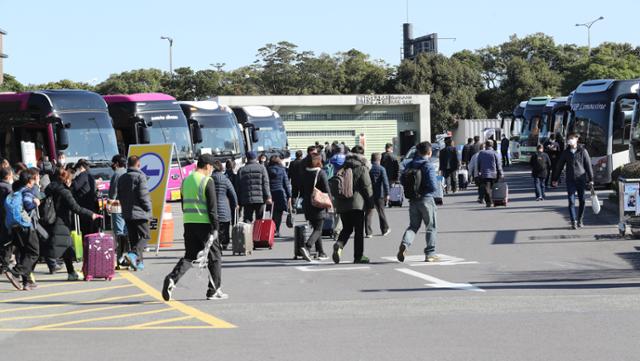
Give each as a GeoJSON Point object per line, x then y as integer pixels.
{"type": "Point", "coordinates": [202, 247]}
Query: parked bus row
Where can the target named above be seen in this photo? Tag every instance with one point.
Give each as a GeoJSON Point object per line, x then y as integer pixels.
{"type": "Point", "coordinates": [83, 124]}
{"type": "Point", "coordinates": [604, 113]}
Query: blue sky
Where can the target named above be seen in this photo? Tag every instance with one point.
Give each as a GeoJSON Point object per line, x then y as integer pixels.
{"type": "Point", "coordinates": [88, 40]}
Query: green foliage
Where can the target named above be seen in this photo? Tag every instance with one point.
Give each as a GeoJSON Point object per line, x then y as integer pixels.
{"type": "Point", "coordinates": [61, 84]}
{"type": "Point", "coordinates": [10, 84]}
{"type": "Point", "coordinates": [134, 81]}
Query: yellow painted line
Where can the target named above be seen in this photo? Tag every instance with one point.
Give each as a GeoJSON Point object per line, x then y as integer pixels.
{"type": "Point", "coordinates": [177, 305]}
{"type": "Point", "coordinates": [159, 322]}
{"type": "Point", "coordinates": [66, 293]}
{"type": "Point", "coordinates": [69, 313]}
{"type": "Point", "coordinates": [113, 317]}
{"type": "Point", "coordinates": [72, 303]}
{"type": "Point", "coordinates": [115, 328]}
{"type": "Point", "coordinates": [69, 283]}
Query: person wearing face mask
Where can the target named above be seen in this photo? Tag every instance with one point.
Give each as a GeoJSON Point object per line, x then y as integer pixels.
{"type": "Point", "coordinates": [579, 175]}
{"type": "Point", "coordinates": [118, 164]}
{"type": "Point", "coordinates": [61, 159]}
{"type": "Point", "coordinates": [199, 205]}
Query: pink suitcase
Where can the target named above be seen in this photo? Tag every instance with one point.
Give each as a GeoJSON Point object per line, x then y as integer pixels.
{"type": "Point", "coordinates": [99, 256]}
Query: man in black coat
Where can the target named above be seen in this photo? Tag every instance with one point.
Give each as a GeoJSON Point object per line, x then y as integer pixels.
{"type": "Point", "coordinates": [467, 152]}
{"type": "Point", "coordinates": [253, 186]}
{"type": "Point", "coordinates": [504, 150]}
{"type": "Point", "coordinates": [6, 243]}
{"type": "Point", "coordinates": [390, 163]}
{"type": "Point", "coordinates": [84, 191]}
{"type": "Point", "coordinates": [449, 165]}
{"type": "Point", "coordinates": [133, 194]}
{"type": "Point", "coordinates": [295, 174]}
{"type": "Point", "coordinates": [540, 169]}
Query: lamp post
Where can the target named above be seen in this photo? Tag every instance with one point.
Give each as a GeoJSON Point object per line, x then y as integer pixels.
{"type": "Point", "coordinates": [588, 26]}
{"type": "Point", "coordinates": [170, 40]}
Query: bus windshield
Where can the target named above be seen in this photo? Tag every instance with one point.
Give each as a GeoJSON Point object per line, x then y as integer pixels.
{"type": "Point", "coordinates": [91, 136]}
{"type": "Point", "coordinates": [220, 133]}
{"type": "Point", "coordinates": [591, 123]}
{"type": "Point", "coordinates": [170, 127]}
{"type": "Point", "coordinates": [271, 134]}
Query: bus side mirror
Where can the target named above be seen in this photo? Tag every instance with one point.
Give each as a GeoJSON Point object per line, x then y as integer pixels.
{"type": "Point", "coordinates": [62, 138]}
{"type": "Point", "coordinates": [143, 134]}
{"type": "Point", "coordinates": [254, 135]}
{"type": "Point", "coordinates": [196, 132]}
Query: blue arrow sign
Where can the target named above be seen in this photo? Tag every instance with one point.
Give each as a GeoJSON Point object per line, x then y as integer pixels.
{"type": "Point", "coordinates": [150, 172]}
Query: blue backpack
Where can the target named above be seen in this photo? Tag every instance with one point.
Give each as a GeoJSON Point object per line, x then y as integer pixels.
{"type": "Point", "coordinates": [15, 213]}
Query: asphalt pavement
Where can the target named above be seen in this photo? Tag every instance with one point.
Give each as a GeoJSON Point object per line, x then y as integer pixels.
{"type": "Point", "coordinates": [515, 283]}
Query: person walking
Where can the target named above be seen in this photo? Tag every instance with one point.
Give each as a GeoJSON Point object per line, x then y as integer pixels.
{"type": "Point", "coordinates": [552, 149]}
{"type": "Point", "coordinates": [119, 166]}
{"type": "Point", "coordinates": [199, 205]}
{"type": "Point", "coordinates": [227, 202]}
{"type": "Point", "coordinates": [449, 165]}
{"type": "Point", "coordinates": [576, 162]}
{"type": "Point", "coordinates": [476, 144]}
{"type": "Point", "coordinates": [133, 194]}
{"type": "Point", "coordinates": [253, 188]}
{"type": "Point", "coordinates": [314, 177]}
{"type": "Point", "coordinates": [422, 207]}
{"type": "Point", "coordinates": [338, 158]}
{"type": "Point", "coordinates": [60, 244]}
{"type": "Point", "coordinates": [474, 173]}
{"type": "Point", "coordinates": [280, 189]}
{"type": "Point", "coordinates": [540, 169]}
{"type": "Point", "coordinates": [6, 243]}
{"type": "Point", "coordinates": [380, 184]}
{"type": "Point", "coordinates": [467, 152]}
{"type": "Point", "coordinates": [84, 191]}
{"type": "Point", "coordinates": [504, 150]}
{"type": "Point", "coordinates": [352, 209]}
{"type": "Point", "coordinates": [296, 167]}
{"type": "Point", "coordinates": [22, 231]}
{"type": "Point", "coordinates": [390, 163]}
{"type": "Point", "coordinates": [490, 170]}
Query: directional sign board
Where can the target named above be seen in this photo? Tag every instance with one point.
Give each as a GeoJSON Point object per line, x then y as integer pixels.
{"type": "Point", "coordinates": [155, 160]}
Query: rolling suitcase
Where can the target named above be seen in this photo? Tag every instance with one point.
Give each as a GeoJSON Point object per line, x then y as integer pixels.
{"type": "Point", "coordinates": [439, 193]}
{"type": "Point", "coordinates": [241, 238]}
{"type": "Point", "coordinates": [99, 256]}
{"type": "Point", "coordinates": [500, 194]}
{"type": "Point", "coordinates": [264, 231]}
{"type": "Point", "coordinates": [300, 235]}
{"type": "Point", "coordinates": [396, 195]}
{"type": "Point", "coordinates": [463, 179]}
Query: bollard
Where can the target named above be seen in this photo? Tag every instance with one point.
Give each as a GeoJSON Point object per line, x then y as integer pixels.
{"type": "Point", "coordinates": [167, 228]}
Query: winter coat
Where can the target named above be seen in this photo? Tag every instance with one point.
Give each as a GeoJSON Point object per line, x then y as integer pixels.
{"type": "Point", "coordinates": [60, 232]}
{"type": "Point", "coordinates": [5, 190]}
{"type": "Point", "coordinates": [295, 173]}
{"type": "Point", "coordinates": [84, 190]}
{"type": "Point", "coordinates": [467, 153]}
{"type": "Point", "coordinates": [113, 184]}
{"type": "Point", "coordinates": [504, 145]}
{"type": "Point", "coordinates": [578, 166]}
{"type": "Point", "coordinates": [391, 165]}
{"type": "Point", "coordinates": [253, 184]}
{"type": "Point", "coordinates": [308, 178]}
{"type": "Point", "coordinates": [279, 186]}
{"type": "Point", "coordinates": [379, 181]}
{"type": "Point", "coordinates": [540, 165]}
{"type": "Point", "coordinates": [489, 164]}
{"type": "Point", "coordinates": [133, 194]}
{"type": "Point", "coordinates": [226, 196]}
{"type": "Point", "coordinates": [362, 188]}
{"type": "Point", "coordinates": [449, 159]}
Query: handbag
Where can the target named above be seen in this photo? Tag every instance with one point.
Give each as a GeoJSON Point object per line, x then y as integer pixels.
{"type": "Point", "coordinates": [595, 202]}
{"type": "Point", "coordinates": [289, 220]}
{"type": "Point", "coordinates": [320, 199]}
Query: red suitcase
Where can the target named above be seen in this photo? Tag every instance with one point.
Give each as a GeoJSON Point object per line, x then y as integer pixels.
{"type": "Point", "coordinates": [99, 256]}
{"type": "Point", "coordinates": [264, 231]}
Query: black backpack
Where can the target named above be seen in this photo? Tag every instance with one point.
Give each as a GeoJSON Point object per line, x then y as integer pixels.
{"type": "Point", "coordinates": [48, 212]}
{"type": "Point", "coordinates": [412, 183]}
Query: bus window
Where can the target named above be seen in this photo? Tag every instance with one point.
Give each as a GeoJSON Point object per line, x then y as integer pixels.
{"type": "Point", "coordinates": [622, 125]}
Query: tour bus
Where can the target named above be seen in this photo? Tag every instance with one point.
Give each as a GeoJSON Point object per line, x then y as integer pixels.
{"type": "Point", "coordinates": [601, 114]}
{"type": "Point", "coordinates": [154, 118]}
{"type": "Point", "coordinates": [264, 131]}
{"type": "Point", "coordinates": [531, 126]}
{"type": "Point", "coordinates": [512, 128]}
{"type": "Point", "coordinates": [555, 117]}
{"type": "Point", "coordinates": [75, 122]}
{"type": "Point", "coordinates": [215, 131]}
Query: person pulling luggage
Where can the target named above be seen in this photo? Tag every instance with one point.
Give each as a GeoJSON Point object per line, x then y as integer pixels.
{"type": "Point", "coordinates": [199, 205]}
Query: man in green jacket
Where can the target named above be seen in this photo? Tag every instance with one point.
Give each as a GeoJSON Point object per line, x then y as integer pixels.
{"type": "Point", "coordinates": [352, 209]}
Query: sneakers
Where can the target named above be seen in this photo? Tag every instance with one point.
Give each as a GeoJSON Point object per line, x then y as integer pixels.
{"type": "Point", "coordinates": [140, 266]}
{"type": "Point", "coordinates": [386, 233]}
{"type": "Point", "coordinates": [579, 224]}
{"type": "Point", "coordinates": [322, 256]}
{"type": "Point", "coordinates": [369, 236]}
{"type": "Point", "coordinates": [217, 295]}
{"type": "Point", "coordinates": [304, 252]}
{"type": "Point", "coordinates": [73, 277]}
{"type": "Point", "coordinates": [363, 259]}
{"type": "Point", "coordinates": [167, 288]}
{"type": "Point", "coordinates": [402, 252]}
{"type": "Point", "coordinates": [337, 253]}
{"type": "Point", "coordinates": [432, 258]}
{"type": "Point", "coordinates": [574, 225]}
{"type": "Point", "coordinates": [14, 279]}
{"type": "Point", "coordinates": [133, 260]}
{"type": "Point", "coordinates": [29, 286]}
{"type": "Point", "coordinates": [54, 269]}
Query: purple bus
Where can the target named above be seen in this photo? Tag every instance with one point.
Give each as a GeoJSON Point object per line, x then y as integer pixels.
{"type": "Point", "coordinates": [75, 122]}
{"type": "Point", "coordinates": [154, 118]}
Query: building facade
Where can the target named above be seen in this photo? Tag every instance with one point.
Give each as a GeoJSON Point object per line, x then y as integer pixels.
{"type": "Point", "coordinates": [372, 120]}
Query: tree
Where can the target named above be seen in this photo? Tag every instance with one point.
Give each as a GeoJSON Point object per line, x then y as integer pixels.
{"type": "Point", "coordinates": [10, 84]}
{"type": "Point", "coordinates": [134, 81]}
{"type": "Point", "coordinates": [359, 75]}
{"type": "Point", "coordinates": [62, 84]}
{"type": "Point", "coordinates": [277, 64]}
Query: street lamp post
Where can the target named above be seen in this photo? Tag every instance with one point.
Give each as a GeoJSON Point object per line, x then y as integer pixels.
{"type": "Point", "coordinates": [588, 26]}
{"type": "Point", "coordinates": [170, 40]}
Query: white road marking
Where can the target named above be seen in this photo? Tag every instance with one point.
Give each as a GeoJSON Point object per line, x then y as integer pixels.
{"type": "Point", "coordinates": [315, 269]}
{"type": "Point", "coordinates": [438, 283]}
{"type": "Point", "coordinates": [418, 260]}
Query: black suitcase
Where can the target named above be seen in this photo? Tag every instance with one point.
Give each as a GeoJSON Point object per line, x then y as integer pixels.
{"type": "Point", "coordinates": [500, 194]}
{"type": "Point", "coordinates": [329, 225]}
